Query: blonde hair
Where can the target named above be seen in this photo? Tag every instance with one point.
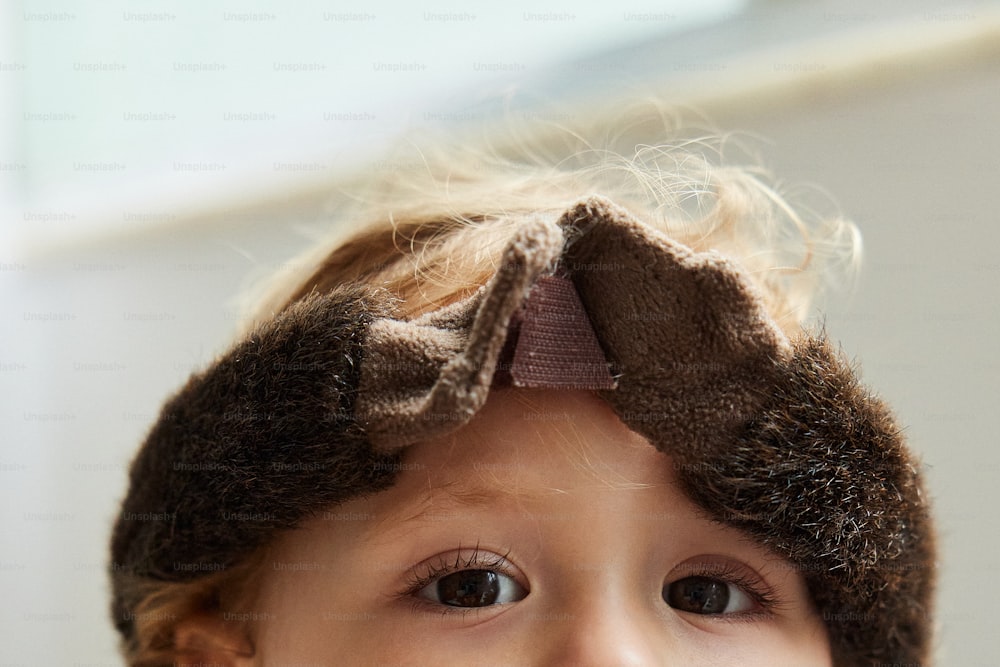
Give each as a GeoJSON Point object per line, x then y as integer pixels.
{"type": "Point", "coordinates": [164, 604]}
{"type": "Point", "coordinates": [428, 222]}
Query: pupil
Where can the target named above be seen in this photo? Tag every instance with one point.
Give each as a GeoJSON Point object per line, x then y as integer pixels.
{"type": "Point", "coordinates": [469, 588]}
{"type": "Point", "coordinates": [700, 595]}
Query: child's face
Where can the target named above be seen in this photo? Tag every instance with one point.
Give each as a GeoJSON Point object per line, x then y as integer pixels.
{"type": "Point", "coordinates": [544, 533]}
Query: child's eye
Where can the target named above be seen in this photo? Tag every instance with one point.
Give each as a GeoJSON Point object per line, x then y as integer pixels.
{"type": "Point", "coordinates": [473, 588]}
{"type": "Point", "coordinates": [707, 595]}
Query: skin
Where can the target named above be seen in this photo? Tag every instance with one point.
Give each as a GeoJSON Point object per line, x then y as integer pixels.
{"type": "Point", "coordinates": [583, 518]}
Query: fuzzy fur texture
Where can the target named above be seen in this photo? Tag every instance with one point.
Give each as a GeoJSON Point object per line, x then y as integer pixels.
{"type": "Point", "coordinates": [821, 475]}
{"type": "Point", "coordinates": [262, 439]}
{"type": "Point", "coordinates": [776, 438]}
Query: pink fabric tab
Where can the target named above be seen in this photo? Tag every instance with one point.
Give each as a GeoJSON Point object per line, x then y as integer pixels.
{"type": "Point", "coordinates": [556, 345]}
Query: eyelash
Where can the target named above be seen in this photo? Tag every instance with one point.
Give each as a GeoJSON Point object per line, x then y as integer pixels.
{"type": "Point", "coordinates": [423, 574]}
{"type": "Point", "coordinates": [427, 572]}
{"type": "Point", "coordinates": [753, 585]}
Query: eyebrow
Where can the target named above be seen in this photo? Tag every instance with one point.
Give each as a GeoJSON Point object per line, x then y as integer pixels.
{"type": "Point", "coordinates": [441, 501]}
{"type": "Point", "coordinates": [438, 502]}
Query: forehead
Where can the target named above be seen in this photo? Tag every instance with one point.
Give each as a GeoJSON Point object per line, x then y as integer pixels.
{"type": "Point", "coordinates": [548, 467]}
{"type": "Point", "coordinates": [538, 467]}
{"type": "Point", "coordinates": [526, 447]}
{"type": "Point", "coordinates": [535, 436]}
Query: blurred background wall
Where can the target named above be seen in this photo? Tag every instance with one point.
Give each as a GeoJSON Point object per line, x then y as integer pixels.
{"type": "Point", "coordinates": [154, 161]}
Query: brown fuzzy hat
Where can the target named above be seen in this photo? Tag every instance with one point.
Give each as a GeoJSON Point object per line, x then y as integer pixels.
{"type": "Point", "coordinates": [773, 436]}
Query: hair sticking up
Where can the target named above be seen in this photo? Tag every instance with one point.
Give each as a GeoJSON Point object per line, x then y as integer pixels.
{"type": "Point", "coordinates": [428, 220]}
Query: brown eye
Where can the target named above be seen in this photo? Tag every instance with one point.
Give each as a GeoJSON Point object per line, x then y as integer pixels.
{"type": "Point", "coordinates": [705, 595]}
{"type": "Point", "coordinates": [473, 588]}
{"type": "Point", "coordinates": [469, 588]}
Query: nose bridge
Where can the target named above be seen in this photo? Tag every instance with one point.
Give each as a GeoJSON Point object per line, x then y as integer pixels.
{"type": "Point", "coordinates": [599, 619]}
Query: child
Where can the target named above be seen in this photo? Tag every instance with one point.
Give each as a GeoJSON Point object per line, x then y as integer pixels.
{"type": "Point", "coordinates": [523, 424]}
